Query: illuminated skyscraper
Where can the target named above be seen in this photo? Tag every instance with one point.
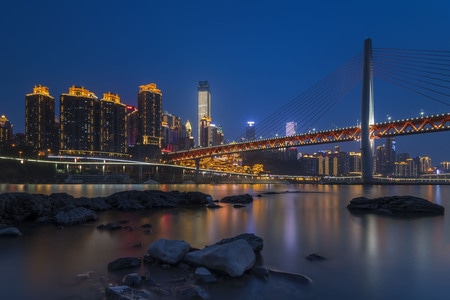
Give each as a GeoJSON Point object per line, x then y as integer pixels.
{"type": "Point", "coordinates": [203, 108]}
{"type": "Point", "coordinates": [250, 131]}
{"type": "Point", "coordinates": [291, 128]}
{"type": "Point", "coordinates": [150, 112]}
{"type": "Point", "coordinates": [40, 127]}
{"type": "Point", "coordinates": [79, 124]}
{"type": "Point", "coordinates": [112, 124]}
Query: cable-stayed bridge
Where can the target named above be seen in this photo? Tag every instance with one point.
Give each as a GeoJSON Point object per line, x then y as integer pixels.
{"type": "Point", "coordinates": [423, 72]}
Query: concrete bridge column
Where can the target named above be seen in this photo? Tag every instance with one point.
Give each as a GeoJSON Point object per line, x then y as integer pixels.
{"type": "Point", "coordinates": [197, 170]}
{"type": "Point", "coordinates": [367, 115]}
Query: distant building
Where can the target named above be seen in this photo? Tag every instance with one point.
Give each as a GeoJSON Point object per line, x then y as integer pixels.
{"type": "Point", "coordinates": [171, 131]}
{"type": "Point", "coordinates": [150, 113]}
{"type": "Point", "coordinates": [6, 131]}
{"type": "Point", "coordinates": [112, 124]}
{"type": "Point", "coordinates": [203, 108]}
{"type": "Point", "coordinates": [291, 128]}
{"type": "Point", "coordinates": [41, 130]}
{"type": "Point", "coordinates": [250, 131]}
{"type": "Point", "coordinates": [132, 126]}
{"type": "Point", "coordinates": [205, 135]}
{"type": "Point", "coordinates": [187, 140]}
{"type": "Point", "coordinates": [443, 166]}
{"type": "Point", "coordinates": [79, 121]}
{"type": "Point", "coordinates": [386, 158]}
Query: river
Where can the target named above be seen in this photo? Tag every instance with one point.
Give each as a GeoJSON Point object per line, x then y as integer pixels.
{"type": "Point", "coordinates": [368, 256]}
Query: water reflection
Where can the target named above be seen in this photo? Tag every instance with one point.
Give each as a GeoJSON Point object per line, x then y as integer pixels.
{"type": "Point", "coordinates": [369, 256]}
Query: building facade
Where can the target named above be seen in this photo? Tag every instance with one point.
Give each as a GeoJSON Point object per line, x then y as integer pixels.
{"type": "Point", "coordinates": [112, 121]}
{"type": "Point", "coordinates": [41, 130]}
{"type": "Point", "coordinates": [150, 115]}
{"type": "Point", "coordinates": [203, 108]}
{"type": "Point", "coordinates": [250, 131]}
{"type": "Point", "coordinates": [79, 121]}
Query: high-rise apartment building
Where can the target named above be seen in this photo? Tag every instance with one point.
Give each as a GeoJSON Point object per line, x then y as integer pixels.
{"type": "Point", "coordinates": [203, 108]}
{"type": "Point", "coordinates": [112, 123]}
{"type": "Point", "coordinates": [41, 131]}
{"type": "Point", "coordinates": [79, 124]}
{"type": "Point", "coordinates": [150, 112]}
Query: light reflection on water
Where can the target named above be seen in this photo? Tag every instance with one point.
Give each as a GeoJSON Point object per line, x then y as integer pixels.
{"type": "Point", "coordinates": [369, 256]}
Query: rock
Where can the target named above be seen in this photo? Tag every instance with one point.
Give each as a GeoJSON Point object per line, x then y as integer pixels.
{"type": "Point", "coordinates": [168, 251]}
{"type": "Point", "coordinates": [123, 292]}
{"type": "Point", "coordinates": [242, 199]}
{"type": "Point", "coordinates": [204, 275]}
{"type": "Point", "coordinates": [147, 225]}
{"type": "Point", "coordinates": [297, 278]}
{"type": "Point", "coordinates": [190, 291]}
{"type": "Point", "coordinates": [124, 263]}
{"type": "Point", "coordinates": [213, 205]}
{"type": "Point", "coordinates": [395, 205]}
{"type": "Point", "coordinates": [9, 231]}
{"type": "Point", "coordinates": [132, 279]}
{"type": "Point", "coordinates": [254, 241]}
{"type": "Point", "coordinates": [109, 226]}
{"type": "Point", "coordinates": [315, 256]}
{"type": "Point", "coordinates": [239, 205]}
{"type": "Point", "coordinates": [233, 258]}
{"type": "Point", "coordinates": [77, 215]}
{"type": "Point", "coordinates": [261, 272]}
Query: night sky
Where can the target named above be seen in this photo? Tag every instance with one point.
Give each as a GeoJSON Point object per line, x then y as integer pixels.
{"type": "Point", "coordinates": [256, 55]}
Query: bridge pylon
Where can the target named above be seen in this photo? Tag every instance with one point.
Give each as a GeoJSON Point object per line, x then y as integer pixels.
{"type": "Point", "coordinates": [367, 114]}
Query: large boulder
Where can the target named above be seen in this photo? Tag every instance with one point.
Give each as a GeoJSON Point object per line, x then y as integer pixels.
{"type": "Point", "coordinates": [241, 199]}
{"type": "Point", "coordinates": [233, 258]}
{"type": "Point", "coordinates": [395, 205]}
{"type": "Point", "coordinates": [254, 241]}
{"type": "Point", "coordinates": [73, 216]}
{"type": "Point", "coordinates": [168, 251]}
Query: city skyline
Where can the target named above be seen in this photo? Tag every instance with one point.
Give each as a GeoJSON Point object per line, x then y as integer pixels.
{"type": "Point", "coordinates": [255, 56]}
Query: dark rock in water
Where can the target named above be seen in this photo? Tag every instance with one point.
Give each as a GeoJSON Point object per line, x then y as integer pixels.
{"type": "Point", "coordinates": [132, 279]}
{"type": "Point", "coordinates": [73, 216]}
{"type": "Point", "coordinates": [146, 225]}
{"type": "Point", "coordinates": [254, 241]}
{"type": "Point", "coordinates": [315, 256]}
{"type": "Point", "coordinates": [395, 205]}
{"type": "Point", "coordinates": [261, 272]}
{"type": "Point", "coordinates": [213, 205]}
{"type": "Point", "coordinates": [239, 205]}
{"type": "Point", "coordinates": [6, 230]}
{"type": "Point", "coordinates": [242, 199]}
{"type": "Point", "coordinates": [298, 278]}
{"type": "Point", "coordinates": [190, 291]}
{"type": "Point", "coordinates": [123, 292]}
{"type": "Point", "coordinates": [124, 263]}
{"type": "Point", "coordinates": [109, 226]}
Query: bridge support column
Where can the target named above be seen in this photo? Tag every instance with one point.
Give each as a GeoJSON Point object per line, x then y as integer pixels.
{"type": "Point", "coordinates": [197, 170]}
{"type": "Point", "coordinates": [367, 115]}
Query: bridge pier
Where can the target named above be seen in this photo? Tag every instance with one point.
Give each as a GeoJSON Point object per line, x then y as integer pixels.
{"type": "Point", "coordinates": [367, 115]}
{"type": "Point", "coordinates": [197, 170]}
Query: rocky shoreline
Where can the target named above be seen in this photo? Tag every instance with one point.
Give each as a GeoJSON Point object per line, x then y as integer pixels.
{"type": "Point", "coordinates": [64, 209]}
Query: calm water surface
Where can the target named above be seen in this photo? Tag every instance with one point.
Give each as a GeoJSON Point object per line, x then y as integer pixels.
{"type": "Point", "coordinates": [368, 257]}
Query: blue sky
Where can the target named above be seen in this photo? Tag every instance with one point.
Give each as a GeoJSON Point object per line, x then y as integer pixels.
{"type": "Point", "coordinates": [256, 55]}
